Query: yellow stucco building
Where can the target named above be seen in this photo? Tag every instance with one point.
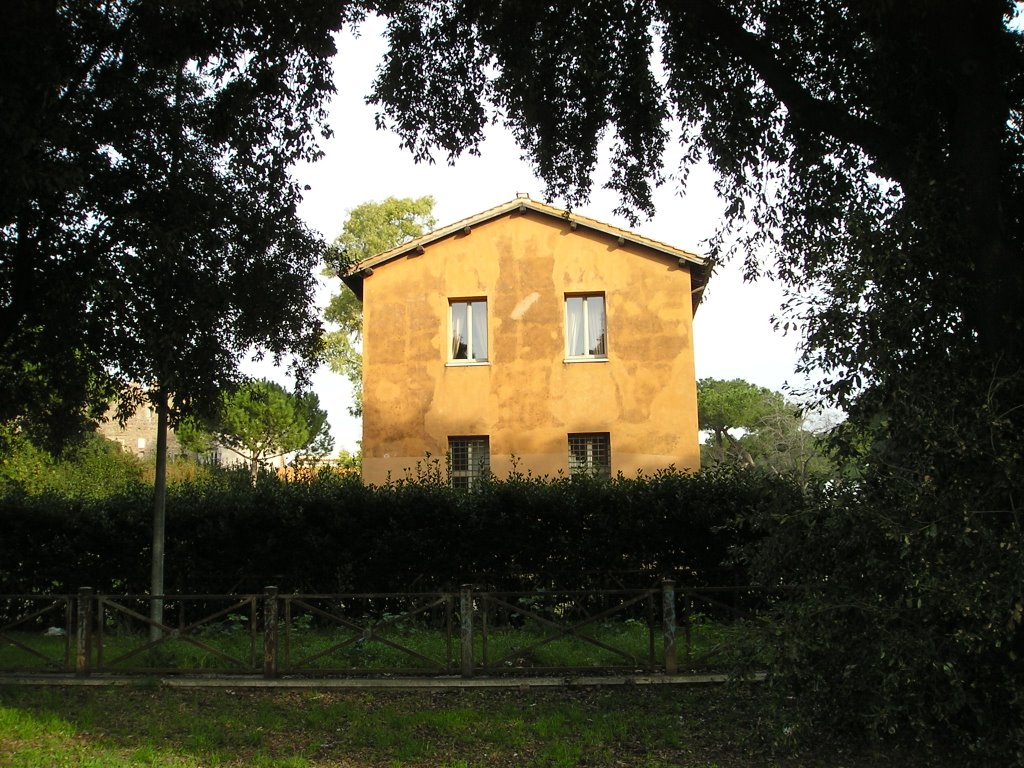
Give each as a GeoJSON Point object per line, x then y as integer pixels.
{"type": "Point", "coordinates": [532, 335]}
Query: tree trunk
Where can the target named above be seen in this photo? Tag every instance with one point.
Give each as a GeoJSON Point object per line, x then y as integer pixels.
{"type": "Point", "coordinates": [156, 587]}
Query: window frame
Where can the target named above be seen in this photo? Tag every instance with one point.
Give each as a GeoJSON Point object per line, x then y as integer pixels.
{"type": "Point", "coordinates": [473, 304]}
{"type": "Point", "coordinates": [587, 356]}
{"type": "Point", "coordinates": [472, 475]}
{"type": "Point", "coordinates": [593, 442]}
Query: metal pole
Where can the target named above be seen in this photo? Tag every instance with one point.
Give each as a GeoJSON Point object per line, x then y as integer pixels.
{"type": "Point", "coordinates": [466, 636]}
{"type": "Point", "coordinates": [270, 632]}
{"type": "Point", "coordinates": [83, 655]}
{"type": "Point", "coordinates": [449, 659]}
{"type": "Point", "coordinates": [668, 624]}
{"type": "Point", "coordinates": [485, 626]}
{"type": "Point", "coordinates": [156, 581]}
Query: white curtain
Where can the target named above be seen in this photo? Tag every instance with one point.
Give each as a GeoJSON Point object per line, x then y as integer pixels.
{"type": "Point", "coordinates": [479, 316]}
{"type": "Point", "coordinates": [574, 326]}
{"type": "Point", "coordinates": [595, 325]}
{"type": "Point", "coordinates": [458, 331]}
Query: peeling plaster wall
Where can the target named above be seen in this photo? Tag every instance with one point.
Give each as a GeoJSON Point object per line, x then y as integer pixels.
{"type": "Point", "coordinates": [527, 398]}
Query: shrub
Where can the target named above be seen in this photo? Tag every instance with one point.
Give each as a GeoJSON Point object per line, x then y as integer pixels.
{"type": "Point", "coordinates": [90, 468]}
{"type": "Point", "coordinates": [330, 533]}
{"type": "Point", "coordinates": [905, 621]}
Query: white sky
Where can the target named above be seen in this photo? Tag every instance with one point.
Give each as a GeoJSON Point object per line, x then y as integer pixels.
{"type": "Point", "coordinates": [732, 330]}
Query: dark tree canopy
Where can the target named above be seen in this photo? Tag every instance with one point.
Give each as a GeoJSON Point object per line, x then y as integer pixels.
{"type": "Point", "coordinates": [871, 158]}
{"type": "Point", "coordinates": [870, 154]}
{"type": "Point", "coordinates": [873, 149]}
{"type": "Point", "coordinates": [149, 228]}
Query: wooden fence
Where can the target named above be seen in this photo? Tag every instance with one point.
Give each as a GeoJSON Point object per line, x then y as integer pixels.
{"type": "Point", "coordinates": [469, 632]}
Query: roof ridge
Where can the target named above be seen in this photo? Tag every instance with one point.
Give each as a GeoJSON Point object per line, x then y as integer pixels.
{"type": "Point", "coordinates": [353, 277]}
{"type": "Point", "coordinates": [536, 205]}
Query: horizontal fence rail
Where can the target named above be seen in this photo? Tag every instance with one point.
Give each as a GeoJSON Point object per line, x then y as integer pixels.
{"type": "Point", "coordinates": [469, 632]}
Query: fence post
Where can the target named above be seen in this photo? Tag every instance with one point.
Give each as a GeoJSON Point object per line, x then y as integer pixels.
{"type": "Point", "coordinates": [668, 624]}
{"type": "Point", "coordinates": [270, 632]}
{"type": "Point", "coordinates": [83, 655]}
{"type": "Point", "coordinates": [466, 635]}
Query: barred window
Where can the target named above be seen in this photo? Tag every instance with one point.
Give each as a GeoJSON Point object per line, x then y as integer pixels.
{"type": "Point", "coordinates": [469, 459]}
{"type": "Point", "coordinates": [590, 454]}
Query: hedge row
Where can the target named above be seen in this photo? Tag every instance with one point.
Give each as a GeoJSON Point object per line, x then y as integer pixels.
{"type": "Point", "coordinates": [332, 534]}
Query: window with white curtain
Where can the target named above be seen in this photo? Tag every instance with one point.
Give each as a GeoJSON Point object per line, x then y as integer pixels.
{"type": "Point", "coordinates": [468, 338]}
{"type": "Point", "coordinates": [585, 328]}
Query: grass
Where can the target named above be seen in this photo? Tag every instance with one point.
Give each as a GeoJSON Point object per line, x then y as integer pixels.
{"type": "Point", "coordinates": [654, 727]}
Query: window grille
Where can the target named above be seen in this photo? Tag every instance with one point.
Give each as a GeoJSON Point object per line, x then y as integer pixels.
{"type": "Point", "coordinates": [469, 461]}
{"type": "Point", "coordinates": [590, 454]}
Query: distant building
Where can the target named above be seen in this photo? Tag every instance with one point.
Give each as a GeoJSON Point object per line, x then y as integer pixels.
{"type": "Point", "coordinates": [529, 335]}
{"type": "Point", "coordinates": [138, 434]}
{"type": "Point", "coordinates": [138, 437]}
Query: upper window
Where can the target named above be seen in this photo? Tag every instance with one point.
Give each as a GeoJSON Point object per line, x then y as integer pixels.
{"type": "Point", "coordinates": [585, 333]}
{"type": "Point", "coordinates": [468, 331]}
{"type": "Point", "coordinates": [469, 461]}
{"type": "Point", "coordinates": [590, 454]}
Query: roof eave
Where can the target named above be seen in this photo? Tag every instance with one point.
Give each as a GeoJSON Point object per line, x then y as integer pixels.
{"type": "Point", "coordinates": [354, 280]}
{"type": "Point", "coordinates": [699, 266]}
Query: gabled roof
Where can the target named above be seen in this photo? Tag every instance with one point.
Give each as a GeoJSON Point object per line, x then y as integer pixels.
{"type": "Point", "coordinates": [700, 269]}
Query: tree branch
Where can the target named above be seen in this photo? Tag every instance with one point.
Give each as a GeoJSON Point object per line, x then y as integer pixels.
{"type": "Point", "coordinates": [806, 110]}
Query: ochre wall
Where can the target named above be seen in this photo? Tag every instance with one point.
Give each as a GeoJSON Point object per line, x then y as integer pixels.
{"type": "Point", "coordinates": [527, 398]}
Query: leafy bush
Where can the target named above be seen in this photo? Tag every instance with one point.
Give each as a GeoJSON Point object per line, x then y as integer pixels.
{"type": "Point", "coordinates": [329, 533]}
{"type": "Point", "coordinates": [905, 621]}
{"type": "Point", "coordinates": [24, 466]}
{"type": "Point", "coordinates": [89, 468]}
